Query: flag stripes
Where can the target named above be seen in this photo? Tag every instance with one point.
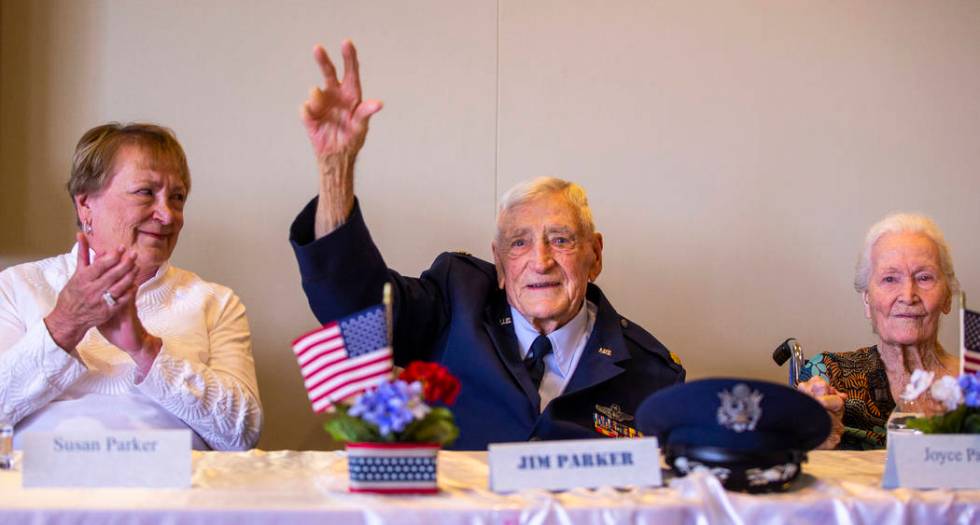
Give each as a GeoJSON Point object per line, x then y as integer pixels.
{"type": "Point", "coordinates": [971, 341]}
{"type": "Point", "coordinates": [344, 358]}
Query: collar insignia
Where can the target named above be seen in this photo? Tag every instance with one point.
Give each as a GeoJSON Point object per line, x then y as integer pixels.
{"type": "Point", "coordinates": [674, 357]}
{"type": "Point", "coordinates": [504, 321]}
{"type": "Point", "coordinates": [606, 352]}
{"type": "Point", "coordinates": [614, 412]}
{"type": "Point", "coordinates": [740, 409]}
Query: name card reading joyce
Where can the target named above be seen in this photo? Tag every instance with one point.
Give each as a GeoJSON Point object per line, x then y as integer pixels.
{"type": "Point", "coordinates": [586, 463]}
{"type": "Point", "coordinates": [133, 458]}
{"type": "Point", "coordinates": [927, 461]}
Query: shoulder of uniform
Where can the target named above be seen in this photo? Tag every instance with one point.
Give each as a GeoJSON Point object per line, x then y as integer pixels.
{"type": "Point", "coordinates": [637, 335]}
{"type": "Point", "coordinates": [465, 260]}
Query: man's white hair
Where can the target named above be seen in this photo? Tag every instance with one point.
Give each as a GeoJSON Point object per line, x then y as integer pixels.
{"type": "Point", "coordinates": [904, 223]}
{"type": "Point", "coordinates": [529, 190]}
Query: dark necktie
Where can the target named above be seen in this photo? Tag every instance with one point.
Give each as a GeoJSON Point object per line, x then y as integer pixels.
{"type": "Point", "coordinates": [534, 361]}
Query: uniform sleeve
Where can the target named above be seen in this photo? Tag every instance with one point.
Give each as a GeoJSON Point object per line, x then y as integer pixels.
{"type": "Point", "coordinates": [344, 272]}
{"type": "Point", "coordinates": [219, 399]}
{"type": "Point", "coordinates": [33, 369]}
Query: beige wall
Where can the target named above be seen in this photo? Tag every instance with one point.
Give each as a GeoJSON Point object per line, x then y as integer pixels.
{"type": "Point", "coordinates": [735, 151]}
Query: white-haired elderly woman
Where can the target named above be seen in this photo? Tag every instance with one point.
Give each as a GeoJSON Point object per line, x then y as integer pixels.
{"type": "Point", "coordinates": [906, 279]}
{"type": "Point", "coordinates": [110, 336]}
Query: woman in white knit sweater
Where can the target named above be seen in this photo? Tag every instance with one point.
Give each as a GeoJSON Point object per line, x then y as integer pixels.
{"type": "Point", "coordinates": [110, 335]}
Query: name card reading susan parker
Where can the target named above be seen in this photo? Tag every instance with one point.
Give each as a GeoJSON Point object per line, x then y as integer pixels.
{"type": "Point", "coordinates": [134, 458]}
{"type": "Point", "coordinates": [561, 465]}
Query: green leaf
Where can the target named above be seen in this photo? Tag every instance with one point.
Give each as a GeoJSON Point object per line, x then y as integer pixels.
{"type": "Point", "coordinates": [971, 424]}
{"type": "Point", "coordinates": [948, 423]}
{"type": "Point", "coordinates": [436, 427]}
{"type": "Point", "coordinates": [347, 429]}
{"type": "Point", "coordinates": [922, 424]}
{"type": "Point", "coordinates": [952, 422]}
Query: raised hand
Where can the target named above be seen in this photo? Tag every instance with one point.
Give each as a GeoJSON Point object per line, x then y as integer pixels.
{"type": "Point", "coordinates": [335, 116]}
{"type": "Point", "coordinates": [82, 303]}
{"type": "Point", "coordinates": [336, 121]}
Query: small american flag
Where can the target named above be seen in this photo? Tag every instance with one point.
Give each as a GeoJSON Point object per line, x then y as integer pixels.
{"type": "Point", "coordinates": [344, 357]}
{"type": "Point", "coordinates": [971, 341]}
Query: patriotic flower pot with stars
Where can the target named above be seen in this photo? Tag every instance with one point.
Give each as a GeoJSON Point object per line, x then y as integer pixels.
{"type": "Point", "coordinates": [393, 468]}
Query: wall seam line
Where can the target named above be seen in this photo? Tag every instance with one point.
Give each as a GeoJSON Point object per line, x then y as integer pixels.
{"type": "Point", "coordinates": [496, 125]}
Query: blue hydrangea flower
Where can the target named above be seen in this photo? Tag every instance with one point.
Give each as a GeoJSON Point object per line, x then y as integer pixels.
{"type": "Point", "coordinates": [391, 406]}
{"type": "Point", "coordinates": [970, 383]}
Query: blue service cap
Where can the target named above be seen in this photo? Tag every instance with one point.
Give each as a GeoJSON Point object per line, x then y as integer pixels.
{"type": "Point", "coordinates": [751, 434]}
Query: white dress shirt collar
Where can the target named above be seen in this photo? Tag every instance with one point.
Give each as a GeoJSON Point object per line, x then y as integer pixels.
{"type": "Point", "coordinates": [567, 343]}
{"type": "Point", "coordinates": [563, 340]}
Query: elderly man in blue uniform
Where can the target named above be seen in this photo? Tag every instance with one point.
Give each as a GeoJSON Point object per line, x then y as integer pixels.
{"type": "Point", "coordinates": [539, 350]}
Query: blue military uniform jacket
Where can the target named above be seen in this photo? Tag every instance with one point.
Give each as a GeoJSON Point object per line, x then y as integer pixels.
{"type": "Point", "coordinates": [456, 315]}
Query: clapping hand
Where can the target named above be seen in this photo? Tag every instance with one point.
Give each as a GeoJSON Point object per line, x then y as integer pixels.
{"type": "Point", "coordinates": [833, 401]}
{"type": "Point", "coordinates": [97, 291]}
{"type": "Point", "coordinates": [126, 332]}
{"type": "Point", "coordinates": [102, 293]}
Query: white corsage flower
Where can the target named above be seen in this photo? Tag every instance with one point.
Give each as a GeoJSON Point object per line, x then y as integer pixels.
{"type": "Point", "coordinates": [918, 383]}
{"type": "Point", "coordinates": [415, 405]}
{"type": "Point", "coordinates": [947, 390]}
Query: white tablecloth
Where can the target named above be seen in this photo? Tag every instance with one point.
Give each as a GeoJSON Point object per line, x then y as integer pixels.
{"type": "Point", "coordinates": [311, 487]}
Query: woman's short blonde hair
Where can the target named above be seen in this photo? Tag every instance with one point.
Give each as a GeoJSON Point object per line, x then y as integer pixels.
{"type": "Point", "coordinates": [92, 165]}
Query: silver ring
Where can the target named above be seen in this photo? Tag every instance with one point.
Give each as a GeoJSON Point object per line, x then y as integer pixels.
{"type": "Point", "coordinates": [109, 299]}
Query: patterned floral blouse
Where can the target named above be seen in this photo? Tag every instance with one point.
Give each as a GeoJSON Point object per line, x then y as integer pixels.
{"type": "Point", "coordinates": [861, 375]}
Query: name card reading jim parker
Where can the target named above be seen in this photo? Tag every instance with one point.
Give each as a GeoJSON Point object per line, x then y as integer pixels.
{"type": "Point", "coordinates": [134, 458]}
{"type": "Point", "coordinates": [586, 463]}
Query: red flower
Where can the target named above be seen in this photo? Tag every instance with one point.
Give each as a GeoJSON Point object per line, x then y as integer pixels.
{"type": "Point", "coordinates": [437, 383]}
